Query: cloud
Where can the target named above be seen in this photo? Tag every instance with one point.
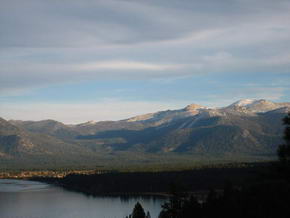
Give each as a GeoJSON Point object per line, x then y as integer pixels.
{"type": "Point", "coordinates": [74, 24]}
{"type": "Point", "coordinates": [18, 76]}
{"type": "Point", "coordinates": [123, 65]}
{"type": "Point", "coordinates": [44, 43]}
{"type": "Point", "coordinates": [41, 23]}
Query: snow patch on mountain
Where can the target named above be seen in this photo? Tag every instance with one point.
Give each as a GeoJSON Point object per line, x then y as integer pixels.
{"type": "Point", "coordinates": [243, 102]}
{"type": "Point", "coordinates": [89, 123]}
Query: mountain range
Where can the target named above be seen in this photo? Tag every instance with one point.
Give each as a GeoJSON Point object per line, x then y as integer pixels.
{"type": "Point", "coordinates": [245, 130]}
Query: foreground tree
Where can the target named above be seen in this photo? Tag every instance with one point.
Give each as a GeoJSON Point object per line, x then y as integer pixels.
{"type": "Point", "coordinates": [138, 211]}
{"type": "Point", "coordinates": [284, 149]}
{"type": "Point", "coordinates": [180, 205]}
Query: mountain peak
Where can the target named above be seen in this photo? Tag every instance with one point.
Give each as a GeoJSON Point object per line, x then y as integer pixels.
{"type": "Point", "coordinates": [254, 105]}
{"type": "Point", "coordinates": [250, 102]}
{"type": "Point", "coordinates": [193, 107]}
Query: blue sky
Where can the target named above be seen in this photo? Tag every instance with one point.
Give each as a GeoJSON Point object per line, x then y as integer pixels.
{"type": "Point", "coordinates": [112, 59]}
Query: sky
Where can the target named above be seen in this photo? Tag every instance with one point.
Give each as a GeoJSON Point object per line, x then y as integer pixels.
{"type": "Point", "coordinates": [75, 61]}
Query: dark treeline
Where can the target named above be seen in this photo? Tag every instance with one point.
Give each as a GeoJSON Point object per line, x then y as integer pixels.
{"type": "Point", "coordinates": [266, 198]}
{"type": "Point", "coordinates": [159, 182]}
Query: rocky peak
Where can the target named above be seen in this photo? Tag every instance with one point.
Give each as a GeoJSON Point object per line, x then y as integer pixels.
{"type": "Point", "coordinates": [252, 105]}
{"type": "Point", "coordinates": [193, 107]}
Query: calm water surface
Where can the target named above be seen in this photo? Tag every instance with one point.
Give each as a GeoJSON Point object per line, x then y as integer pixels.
{"type": "Point", "coordinates": [27, 199]}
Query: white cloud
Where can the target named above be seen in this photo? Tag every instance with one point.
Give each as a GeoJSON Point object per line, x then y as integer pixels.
{"type": "Point", "coordinates": [17, 75]}
{"type": "Point", "coordinates": [28, 67]}
{"type": "Point", "coordinates": [123, 65]}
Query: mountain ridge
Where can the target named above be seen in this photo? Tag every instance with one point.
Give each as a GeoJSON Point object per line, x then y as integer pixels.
{"type": "Point", "coordinates": [246, 128]}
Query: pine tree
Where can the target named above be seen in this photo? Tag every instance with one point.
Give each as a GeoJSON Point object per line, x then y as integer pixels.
{"type": "Point", "coordinates": [138, 211]}
{"type": "Point", "coordinates": [284, 149]}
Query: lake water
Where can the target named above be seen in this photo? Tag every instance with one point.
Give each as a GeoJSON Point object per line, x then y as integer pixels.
{"type": "Point", "coordinates": [27, 199]}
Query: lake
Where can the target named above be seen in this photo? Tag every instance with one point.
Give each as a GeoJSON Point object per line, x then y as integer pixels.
{"type": "Point", "coordinates": [29, 199]}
